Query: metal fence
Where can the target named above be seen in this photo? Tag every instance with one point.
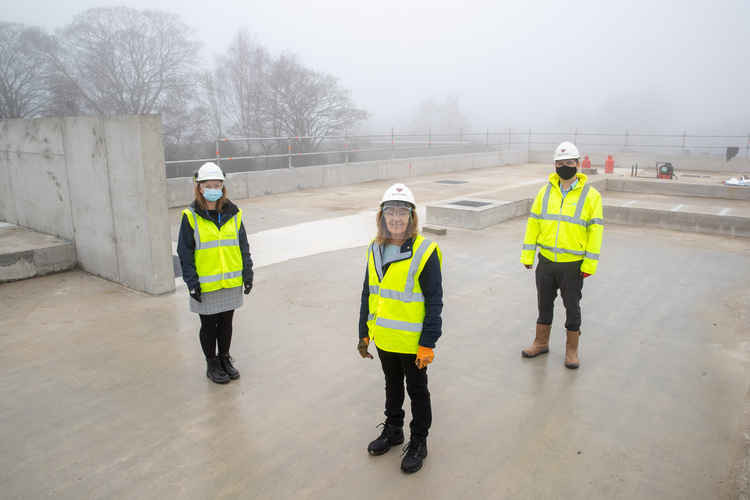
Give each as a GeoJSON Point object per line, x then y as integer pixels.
{"type": "Point", "coordinates": [236, 154]}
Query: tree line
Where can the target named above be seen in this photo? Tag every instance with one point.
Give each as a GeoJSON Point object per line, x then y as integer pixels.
{"type": "Point", "coordinates": [120, 60]}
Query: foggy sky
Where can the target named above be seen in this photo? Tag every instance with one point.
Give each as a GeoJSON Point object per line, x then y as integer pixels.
{"type": "Point", "coordinates": [645, 66]}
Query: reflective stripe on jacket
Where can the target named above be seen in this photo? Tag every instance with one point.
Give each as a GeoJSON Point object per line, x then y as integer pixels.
{"type": "Point", "coordinates": [565, 229]}
{"type": "Point", "coordinates": [218, 259]}
{"type": "Point", "coordinates": [396, 303]}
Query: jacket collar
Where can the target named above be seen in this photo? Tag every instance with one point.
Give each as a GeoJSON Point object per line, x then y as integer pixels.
{"type": "Point", "coordinates": [227, 212]}
{"type": "Point", "coordinates": [554, 179]}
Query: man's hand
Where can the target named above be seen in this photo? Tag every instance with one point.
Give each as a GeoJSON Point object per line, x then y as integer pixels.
{"type": "Point", "coordinates": [362, 347]}
{"type": "Point", "coordinates": [196, 293]}
{"type": "Point", "coordinates": [248, 287]}
{"type": "Point", "coordinates": [585, 275]}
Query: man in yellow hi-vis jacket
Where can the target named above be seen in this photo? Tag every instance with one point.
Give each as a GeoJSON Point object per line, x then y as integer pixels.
{"type": "Point", "coordinates": [566, 226]}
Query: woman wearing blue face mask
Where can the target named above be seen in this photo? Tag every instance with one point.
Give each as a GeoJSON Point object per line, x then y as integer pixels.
{"type": "Point", "coordinates": [216, 267]}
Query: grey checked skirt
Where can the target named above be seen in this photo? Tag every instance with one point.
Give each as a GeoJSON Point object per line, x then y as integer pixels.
{"type": "Point", "coordinates": [221, 300]}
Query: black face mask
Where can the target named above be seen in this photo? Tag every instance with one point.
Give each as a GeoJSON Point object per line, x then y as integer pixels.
{"type": "Point", "coordinates": [565, 173]}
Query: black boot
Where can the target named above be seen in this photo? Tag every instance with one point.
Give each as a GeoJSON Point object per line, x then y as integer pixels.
{"type": "Point", "coordinates": [226, 363]}
{"type": "Point", "coordinates": [414, 453]}
{"type": "Point", "coordinates": [391, 436]}
{"type": "Point", "coordinates": [215, 372]}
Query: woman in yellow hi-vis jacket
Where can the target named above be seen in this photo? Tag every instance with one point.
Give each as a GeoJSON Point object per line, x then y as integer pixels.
{"type": "Point", "coordinates": [400, 311]}
{"type": "Point", "coordinates": [216, 267]}
{"type": "Point", "coordinates": [566, 226]}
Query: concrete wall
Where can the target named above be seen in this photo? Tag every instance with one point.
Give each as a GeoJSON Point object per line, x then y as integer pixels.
{"type": "Point", "coordinates": [647, 160]}
{"type": "Point", "coordinates": [674, 188]}
{"type": "Point", "coordinates": [259, 183]}
{"type": "Point", "coordinates": [723, 225]}
{"type": "Point", "coordinates": [99, 182]}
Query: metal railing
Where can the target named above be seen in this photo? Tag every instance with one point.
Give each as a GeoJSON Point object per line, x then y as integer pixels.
{"type": "Point", "coordinates": [263, 153]}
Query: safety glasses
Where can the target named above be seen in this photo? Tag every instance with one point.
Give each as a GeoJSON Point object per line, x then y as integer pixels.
{"type": "Point", "coordinates": [397, 211]}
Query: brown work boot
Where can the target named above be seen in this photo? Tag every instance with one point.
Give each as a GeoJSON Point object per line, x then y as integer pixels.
{"type": "Point", "coordinates": [571, 350]}
{"type": "Point", "coordinates": [541, 342]}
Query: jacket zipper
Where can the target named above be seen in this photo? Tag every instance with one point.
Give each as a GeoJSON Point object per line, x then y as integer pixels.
{"type": "Point", "coordinates": [559, 223]}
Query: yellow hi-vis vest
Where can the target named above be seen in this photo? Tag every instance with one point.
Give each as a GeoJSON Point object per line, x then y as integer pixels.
{"type": "Point", "coordinates": [565, 230]}
{"type": "Point", "coordinates": [218, 259]}
{"type": "Point", "coordinates": [396, 303]}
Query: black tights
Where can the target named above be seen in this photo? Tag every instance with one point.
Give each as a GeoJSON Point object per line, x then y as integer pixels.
{"type": "Point", "coordinates": [216, 329]}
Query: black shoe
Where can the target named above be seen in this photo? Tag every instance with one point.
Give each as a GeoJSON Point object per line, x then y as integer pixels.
{"type": "Point", "coordinates": [391, 436]}
{"type": "Point", "coordinates": [215, 372]}
{"type": "Point", "coordinates": [414, 454]}
{"type": "Point", "coordinates": [226, 363]}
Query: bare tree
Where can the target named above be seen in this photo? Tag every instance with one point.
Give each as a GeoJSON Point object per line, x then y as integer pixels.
{"type": "Point", "coordinates": [23, 89]}
{"type": "Point", "coordinates": [305, 103]}
{"type": "Point", "coordinates": [120, 60]}
{"type": "Point", "coordinates": [262, 96]}
{"type": "Point", "coordinates": [242, 83]}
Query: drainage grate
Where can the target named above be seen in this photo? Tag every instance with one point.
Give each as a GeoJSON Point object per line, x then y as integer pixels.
{"type": "Point", "coordinates": [451, 182]}
{"type": "Point", "coordinates": [470, 203]}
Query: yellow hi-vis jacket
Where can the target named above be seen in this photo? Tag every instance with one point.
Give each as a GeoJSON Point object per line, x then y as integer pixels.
{"type": "Point", "coordinates": [565, 230]}
{"type": "Point", "coordinates": [218, 259]}
{"type": "Point", "coordinates": [396, 304]}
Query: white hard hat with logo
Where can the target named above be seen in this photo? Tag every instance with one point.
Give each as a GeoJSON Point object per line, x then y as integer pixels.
{"type": "Point", "coordinates": [567, 151]}
{"type": "Point", "coordinates": [398, 192]}
{"type": "Point", "coordinates": [209, 172]}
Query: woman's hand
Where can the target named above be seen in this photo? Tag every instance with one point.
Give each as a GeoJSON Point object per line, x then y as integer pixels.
{"type": "Point", "coordinates": [362, 347]}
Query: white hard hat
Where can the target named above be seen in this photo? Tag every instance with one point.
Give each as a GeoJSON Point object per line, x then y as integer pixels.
{"type": "Point", "coordinates": [209, 172]}
{"type": "Point", "coordinates": [398, 192]}
{"type": "Point", "coordinates": [567, 151]}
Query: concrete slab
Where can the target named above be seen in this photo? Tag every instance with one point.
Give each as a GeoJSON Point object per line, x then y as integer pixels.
{"type": "Point", "coordinates": [475, 213]}
{"type": "Point", "coordinates": [105, 394]}
{"type": "Point", "coordinates": [26, 254]}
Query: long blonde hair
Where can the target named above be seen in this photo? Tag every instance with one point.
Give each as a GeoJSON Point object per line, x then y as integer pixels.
{"type": "Point", "coordinates": [201, 201]}
{"type": "Point", "coordinates": [384, 236]}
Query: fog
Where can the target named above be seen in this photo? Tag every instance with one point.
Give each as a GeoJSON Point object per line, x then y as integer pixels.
{"type": "Point", "coordinates": [646, 66]}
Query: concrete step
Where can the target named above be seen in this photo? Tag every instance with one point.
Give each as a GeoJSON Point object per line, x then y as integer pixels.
{"type": "Point", "coordinates": [26, 254]}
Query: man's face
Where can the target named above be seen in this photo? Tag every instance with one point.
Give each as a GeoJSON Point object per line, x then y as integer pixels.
{"type": "Point", "coordinates": [566, 163]}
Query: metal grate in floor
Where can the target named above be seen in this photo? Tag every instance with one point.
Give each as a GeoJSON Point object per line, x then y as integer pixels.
{"type": "Point", "coordinates": [470, 203]}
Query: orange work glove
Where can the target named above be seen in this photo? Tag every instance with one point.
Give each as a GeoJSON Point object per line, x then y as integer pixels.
{"type": "Point", "coordinates": [362, 347]}
{"type": "Point", "coordinates": [425, 355]}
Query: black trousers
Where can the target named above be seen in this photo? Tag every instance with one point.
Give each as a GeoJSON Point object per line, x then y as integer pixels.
{"type": "Point", "coordinates": [216, 329]}
{"type": "Point", "coordinates": [396, 366]}
{"type": "Point", "coordinates": [565, 276]}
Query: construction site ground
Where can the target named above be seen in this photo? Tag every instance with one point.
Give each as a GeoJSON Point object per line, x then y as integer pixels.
{"type": "Point", "coordinates": [105, 395]}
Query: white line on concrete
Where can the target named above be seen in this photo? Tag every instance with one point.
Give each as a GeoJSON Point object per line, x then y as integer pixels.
{"type": "Point", "coordinates": [677, 208]}
{"type": "Point", "coordinates": [629, 203]}
{"type": "Point", "coordinates": [310, 238]}
{"type": "Point", "coordinates": [725, 211]}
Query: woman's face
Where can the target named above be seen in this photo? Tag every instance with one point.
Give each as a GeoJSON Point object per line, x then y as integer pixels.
{"type": "Point", "coordinates": [211, 185]}
{"type": "Point", "coordinates": [397, 220]}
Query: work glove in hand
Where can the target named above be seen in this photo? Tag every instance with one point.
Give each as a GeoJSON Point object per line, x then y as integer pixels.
{"type": "Point", "coordinates": [528, 266]}
{"type": "Point", "coordinates": [425, 355]}
{"type": "Point", "coordinates": [196, 294]}
{"type": "Point", "coordinates": [585, 275]}
{"type": "Point", "coordinates": [248, 287]}
{"type": "Point", "coordinates": [362, 347]}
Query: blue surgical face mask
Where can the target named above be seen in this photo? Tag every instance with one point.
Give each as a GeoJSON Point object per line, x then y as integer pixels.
{"type": "Point", "coordinates": [212, 194]}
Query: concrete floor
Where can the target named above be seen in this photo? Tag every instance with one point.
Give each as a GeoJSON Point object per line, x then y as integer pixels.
{"type": "Point", "coordinates": [105, 396]}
